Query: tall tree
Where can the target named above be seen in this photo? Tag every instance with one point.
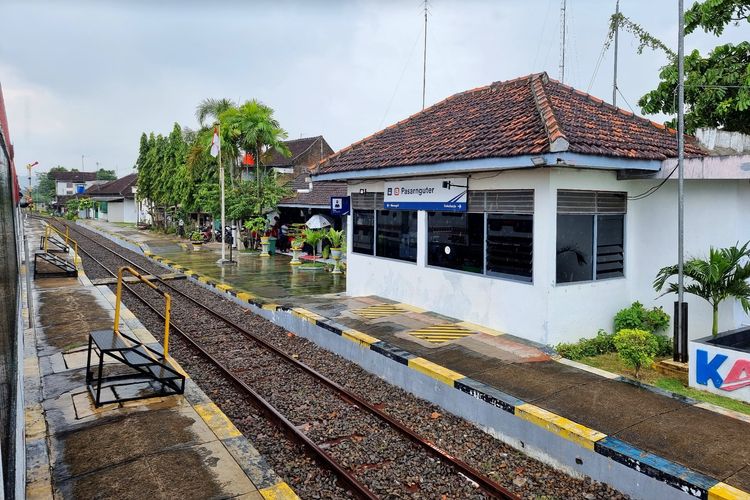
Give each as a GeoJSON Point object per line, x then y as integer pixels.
{"type": "Point", "coordinates": [717, 87]}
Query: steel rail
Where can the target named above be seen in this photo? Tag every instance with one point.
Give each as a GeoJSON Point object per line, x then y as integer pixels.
{"type": "Point", "coordinates": [487, 484]}
{"type": "Point", "coordinates": [286, 426]}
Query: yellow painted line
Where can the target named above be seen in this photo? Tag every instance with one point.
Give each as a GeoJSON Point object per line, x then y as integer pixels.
{"type": "Point", "coordinates": [177, 266]}
{"type": "Point", "coordinates": [567, 429]}
{"type": "Point", "coordinates": [223, 287]}
{"type": "Point", "coordinates": [411, 308]}
{"type": "Point", "coordinates": [244, 296]}
{"type": "Point", "coordinates": [379, 311]}
{"type": "Point", "coordinates": [309, 316]}
{"type": "Point", "coordinates": [441, 333]}
{"type": "Point", "coordinates": [279, 491]}
{"type": "Point", "coordinates": [723, 491]}
{"type": "Point", "coordinates": [189, 272]}
{"type": "Point", "coordinates": [480, 328]}
{"type": "Point", "coordinates": [270, 307]}
{"type": "Point", "coordinates": [359, 337]}
{"type": "Point", "coordinates": [217, 421]}
{"type": "Point", "coordinates": [435, 371]}
{"type": "Point", "coordinates": [203, 279]}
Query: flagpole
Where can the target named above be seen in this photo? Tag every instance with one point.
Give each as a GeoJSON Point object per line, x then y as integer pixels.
{"type": "Point", "coordinates": [221, 182]}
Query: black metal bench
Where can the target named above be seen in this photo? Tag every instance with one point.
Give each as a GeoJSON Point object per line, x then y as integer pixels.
{"type": "Point", "coordinates": [147, 364]}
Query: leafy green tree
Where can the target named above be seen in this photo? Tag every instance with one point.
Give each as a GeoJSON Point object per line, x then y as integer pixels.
{"type": "Point", "coordinates": [717, 86]}
{"type": "Point", "coordinates": [724, 275]}
{"type": "Point", "coordinates": [105, 175]}
{"type": "Point", "coordinates": [636, 348]}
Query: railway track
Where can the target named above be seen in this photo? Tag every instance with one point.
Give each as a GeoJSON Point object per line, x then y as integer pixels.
{"type": "Point", "coordinates": [354, 439]}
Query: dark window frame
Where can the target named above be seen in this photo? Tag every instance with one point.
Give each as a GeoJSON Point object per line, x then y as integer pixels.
{"type": "Point", "coordinates": [597, 211]}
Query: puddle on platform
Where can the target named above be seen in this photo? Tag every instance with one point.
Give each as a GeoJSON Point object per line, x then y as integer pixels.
{"type": "Point", "coordinates": [267, 277]}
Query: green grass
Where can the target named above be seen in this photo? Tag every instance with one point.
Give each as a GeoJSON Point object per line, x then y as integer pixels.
{"type": "Point", "coordinates": [674, 385]}
{"type": "Point", "coordinates": [612, 363]}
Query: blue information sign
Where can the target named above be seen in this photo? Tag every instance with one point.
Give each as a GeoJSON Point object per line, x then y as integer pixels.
{"type": "Point", "coordinates": [340, 205]}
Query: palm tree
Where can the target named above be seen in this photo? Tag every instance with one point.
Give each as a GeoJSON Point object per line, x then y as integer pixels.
{"type": "Point", "coordinates": [212, 108]}
{"type": "Point", "coordinates": [722, 276]}
{"type": "Point", "coordinates": [253, 128]}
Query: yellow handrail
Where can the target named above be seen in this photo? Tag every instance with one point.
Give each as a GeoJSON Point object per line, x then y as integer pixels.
{"type": "Point", "coordinates": [66, 237]}
{"type": "Point", "coordinates": [167, 298]}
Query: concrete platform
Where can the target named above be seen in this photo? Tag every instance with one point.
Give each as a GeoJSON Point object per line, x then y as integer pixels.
{"type": "Point", "coordinates": [637, 438]}
{"type": "Point", "coordinates": [170, 447]}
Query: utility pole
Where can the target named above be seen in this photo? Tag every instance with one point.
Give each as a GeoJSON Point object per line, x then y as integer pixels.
{"type": "Point", "coordinates": [83, 169]}
{"type": "Point", "coordinates": [563, 8]}
{"type": "Point", "coordinates": [424, 57]}
{"type": "Point", "coordinates": [681, 313]}
{"type": "Point", "coordinates": [617, 33]}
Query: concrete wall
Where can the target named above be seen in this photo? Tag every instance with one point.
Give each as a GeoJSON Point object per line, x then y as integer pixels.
{"type": "Point", "coordinates": [548, 313]}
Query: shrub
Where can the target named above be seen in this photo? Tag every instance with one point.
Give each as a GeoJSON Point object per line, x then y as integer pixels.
{"type": "Point", "coordinates": [586, 348]}
{"type": "Point", "coordinates": [665, 345]}
{"type": "Point", "coordinates": [636, 348]}
{"type": "Point", "coordinates": [637, 317]}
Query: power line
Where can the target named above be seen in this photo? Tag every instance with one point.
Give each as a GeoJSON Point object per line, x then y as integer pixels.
{"type": "Point", "coordinates": [653, 189]}
{"type": "Point", "coordinates": [400, 78]}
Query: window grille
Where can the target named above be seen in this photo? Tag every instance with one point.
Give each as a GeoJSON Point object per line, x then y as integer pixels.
{"type": "Point", "coordinates": [506, 201]}
{"type": "Point", "coordinates": [591, 202]}
{"type": "Point", "coordinates": [367, 201]}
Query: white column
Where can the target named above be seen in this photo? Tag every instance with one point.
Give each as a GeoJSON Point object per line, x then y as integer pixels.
{"type": "Point", "coordinates": [421, 238]}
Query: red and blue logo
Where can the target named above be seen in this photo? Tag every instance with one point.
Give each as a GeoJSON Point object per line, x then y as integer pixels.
{"type": "Point", "coordinates": [705, 370]}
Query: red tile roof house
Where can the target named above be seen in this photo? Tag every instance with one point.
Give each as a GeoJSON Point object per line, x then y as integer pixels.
{"type": "Point", "coordinates": [307, 198]}
{"type": "Point", "coordinates": [116, 199]}
{"type": "Point", "coordinates": [533, 208]}
{"type": "Point", "coordinates": [70, 184]}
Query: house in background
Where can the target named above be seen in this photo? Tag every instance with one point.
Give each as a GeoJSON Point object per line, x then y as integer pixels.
{"type": "Point", "coordinates": [532, 208]}
{"type": "Point", "coordinates": [116, 200]}
{"type": "Point", "coordinates": [307, 199]}
{"type": "Point", "coordinates": [70, 184]}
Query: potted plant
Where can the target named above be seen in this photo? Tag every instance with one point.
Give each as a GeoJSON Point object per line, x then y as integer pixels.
{"type": "Point", "coordinates": [336, 238]}
{"type": "Point", "coordinates": [312, 238]}
{"type": "Point", "coordinates": [196, 238]}
{"type": "Point", "coordinates": [255, 226]}
{"type": "Point", "coordinates": [296, 244]}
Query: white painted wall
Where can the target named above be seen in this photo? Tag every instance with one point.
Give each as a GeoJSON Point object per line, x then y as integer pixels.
{"type": "Point", "coordinates": [548, 313]}
{"type": "Point", "coordinates": [115, 211]}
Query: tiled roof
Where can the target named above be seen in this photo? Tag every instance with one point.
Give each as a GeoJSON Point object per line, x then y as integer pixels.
{"type": "Point", "coordinates": [320, 195]}
{"type": "Point", "coordinates": [530, 115]}
{"type": "Point", "coordinates": [73, 176]}
{"type": "Point", "coordinates": [297, 147]}
{"type": "Point", "coordinates": [122, 187]}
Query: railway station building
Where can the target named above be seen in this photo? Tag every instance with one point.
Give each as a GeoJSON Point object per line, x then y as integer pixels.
{"type": "Point", "coordinates": [533, 208]}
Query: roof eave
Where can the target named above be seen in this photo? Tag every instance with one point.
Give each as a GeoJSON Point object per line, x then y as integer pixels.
{"type": "Point", "coordinates": [562, 159]}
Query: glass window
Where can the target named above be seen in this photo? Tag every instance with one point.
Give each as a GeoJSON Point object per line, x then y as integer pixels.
{"type": "Point", "coordinates": [363, 235]}
{"type": "Point", "coordinates": [456, 241]}
{"type": "Point", "coordinates": [610, 260]}
{"type": "Point", "coordinates": [575, 247]}
{"type": "Point", "coordinates": [510, 243]}
{"type": "Point", "coordinates": [397, 234]}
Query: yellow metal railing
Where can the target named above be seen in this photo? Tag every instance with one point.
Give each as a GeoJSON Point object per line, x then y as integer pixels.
{"type": "Point", "coordinates": [50, 230]}
{"type": "Point", "coordinates": [167, 298]}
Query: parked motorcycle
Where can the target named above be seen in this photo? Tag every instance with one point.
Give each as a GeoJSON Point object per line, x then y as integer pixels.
{"type": "Point", "coordinates": [206, 233]}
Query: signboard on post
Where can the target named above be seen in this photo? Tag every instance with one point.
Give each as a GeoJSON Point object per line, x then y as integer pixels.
{"type": "Point", "coordinates": [447, 194]}
{"type": "Point", "coordinates": [340, 205]}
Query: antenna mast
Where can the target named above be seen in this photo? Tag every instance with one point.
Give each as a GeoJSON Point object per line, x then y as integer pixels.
{"type": "Point", "coordinates": [424, 57]}
{"type": "Point", "coordinates": [562, 41]}
{"type": "Point", "coordinates": [617, 32]}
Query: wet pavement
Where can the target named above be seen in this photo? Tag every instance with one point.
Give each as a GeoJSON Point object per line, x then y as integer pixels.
{"type": "Point", "coordinates": [164, 447]}
{"type": "Point", "coordinates": [271, 278]}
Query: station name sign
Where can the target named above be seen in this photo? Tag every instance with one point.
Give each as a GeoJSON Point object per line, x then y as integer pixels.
{"type": "Point", "coordinates": [446, 194]}
{"type": "Point", "coordinates": [720, 370]}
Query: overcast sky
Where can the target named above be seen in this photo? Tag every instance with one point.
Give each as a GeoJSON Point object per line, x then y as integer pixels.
{"type": "Point", "coordinates": [87, 77]}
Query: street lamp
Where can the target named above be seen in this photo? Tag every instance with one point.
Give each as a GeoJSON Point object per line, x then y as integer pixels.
{"type": "Point", "coordinates": [83, 168]}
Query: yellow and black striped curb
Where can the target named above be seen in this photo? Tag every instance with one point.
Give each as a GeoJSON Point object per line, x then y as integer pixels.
{"type": "Point", "coordinates": [649, 464]}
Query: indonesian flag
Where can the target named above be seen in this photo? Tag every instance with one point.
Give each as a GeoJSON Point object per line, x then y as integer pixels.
{"type": "Point", "coordinates": [215, 144]}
